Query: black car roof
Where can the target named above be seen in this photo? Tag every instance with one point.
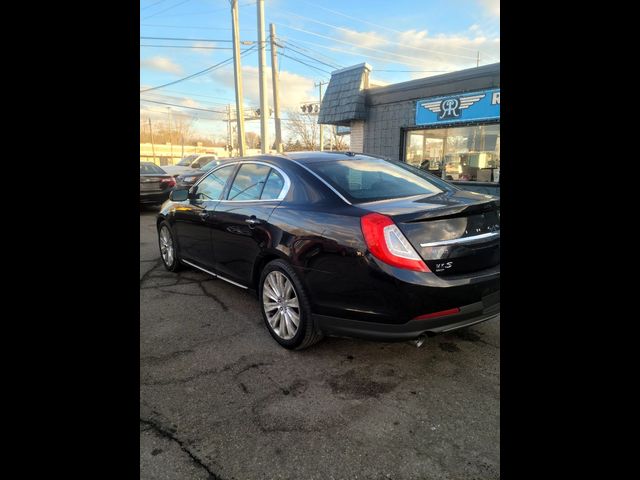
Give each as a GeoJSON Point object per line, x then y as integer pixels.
{"type": "Point", "coordinates": [311, 156]}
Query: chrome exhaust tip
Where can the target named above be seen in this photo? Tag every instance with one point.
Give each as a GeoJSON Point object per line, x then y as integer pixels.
{"type": "Point", "coordinates": [420, 341]}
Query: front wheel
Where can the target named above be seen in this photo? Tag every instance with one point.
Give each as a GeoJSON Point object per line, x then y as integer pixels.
{"type": "Point", "coordinates": [168, 251]}
{"type": "Point", "coordinates": [285, 307]}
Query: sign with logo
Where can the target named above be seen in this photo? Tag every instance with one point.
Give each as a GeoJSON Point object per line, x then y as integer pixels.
{"type": "Point", "coordinates": [461, 107]}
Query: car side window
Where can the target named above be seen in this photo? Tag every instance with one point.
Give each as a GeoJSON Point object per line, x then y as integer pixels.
{"type": "Point", "coordinates": [273, 186]}
{"type": "Point", "coordinates": [201, 162]}
{"type": "Point", "coordinates": [212, 186]}
{"type": "Point", "coordinates": [249, 182]}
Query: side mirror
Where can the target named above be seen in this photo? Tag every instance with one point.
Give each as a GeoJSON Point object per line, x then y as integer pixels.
{"type": "Point", "coordinates": [179, 195]}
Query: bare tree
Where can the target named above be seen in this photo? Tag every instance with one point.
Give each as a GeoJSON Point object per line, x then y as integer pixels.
{"type": "Point", "coordinates": [304, 129]}
{"type": "Point", "coordinates": [181, 129]}
{"type": "Point", "coordinates": [339, 141]}
{"type": "Point", "coordinates": [252, 139]}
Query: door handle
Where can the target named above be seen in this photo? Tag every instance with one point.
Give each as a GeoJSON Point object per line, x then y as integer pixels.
{"type": "Point", "coordinates": [252, 221]}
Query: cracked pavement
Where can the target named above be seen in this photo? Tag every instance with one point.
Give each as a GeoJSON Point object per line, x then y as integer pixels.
{"type": "Point", "coordinates": [220, 399]}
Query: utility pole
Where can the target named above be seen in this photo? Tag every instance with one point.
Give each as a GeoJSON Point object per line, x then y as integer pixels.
{"type": "Point", "coordinates": [478, 59]}
{"type": "Point", "coordinates": [319, 85]}
{"type": "Point", "coordinates": [237, 75]}
{"type": "Point", "coordinates": [262, 61]}
{"type": "Point", "coordinates": [276, 85]}
{"type": "Point", "coordinates": [153, 148]}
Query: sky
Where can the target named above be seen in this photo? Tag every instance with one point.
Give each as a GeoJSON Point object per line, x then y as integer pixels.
{"type": "Point", "coordinates": [400, 39]}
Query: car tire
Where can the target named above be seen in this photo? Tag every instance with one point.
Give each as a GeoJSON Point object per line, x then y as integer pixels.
{"type": "Point", "coordinates": [278, 276]}
{"type": "Point", "coordinates": [165, 240]}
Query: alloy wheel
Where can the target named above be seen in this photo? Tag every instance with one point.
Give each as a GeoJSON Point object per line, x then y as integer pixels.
{"type": "Point", "coordinates": [166, 246]}
{"type": "Point", "coordinates": [280, 304]}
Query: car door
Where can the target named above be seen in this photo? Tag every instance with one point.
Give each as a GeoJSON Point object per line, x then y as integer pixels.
{"type": "Point", "coordinates": [193, 219]}
{"type": "Point", "coordinates": [241, 229]}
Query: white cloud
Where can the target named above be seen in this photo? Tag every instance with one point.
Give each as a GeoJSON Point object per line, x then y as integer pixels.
{"type": "Point", "coordinates": [417, 50]}
{"type": "Point", "coordinates": [203, 51]}
{"type": "Point", "coordinates": [161, 64]}
{"type": "Point", "coordinates": [294, 88]}
{"type": "Point", "coordinates": [190, 102]}
{"type": "Point", "coordinates": [492, 6]}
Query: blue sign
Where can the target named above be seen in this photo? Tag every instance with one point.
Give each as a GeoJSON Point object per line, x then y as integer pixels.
{"type": "Point", "coordinates": [461, 107]}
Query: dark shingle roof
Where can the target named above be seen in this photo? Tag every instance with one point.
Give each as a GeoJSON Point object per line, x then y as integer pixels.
{"type": "Point", "coordinates": [344, 99]}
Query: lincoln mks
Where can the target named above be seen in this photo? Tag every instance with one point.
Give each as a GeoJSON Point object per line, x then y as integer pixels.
{"type": "Point", "coordinates": [340, 243]}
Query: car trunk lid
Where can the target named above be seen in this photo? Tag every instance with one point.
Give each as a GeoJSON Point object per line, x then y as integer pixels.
{"type": "Point", "coordinates": [454, 232]}
{"type": "Point", "coordinates": [153, 183]}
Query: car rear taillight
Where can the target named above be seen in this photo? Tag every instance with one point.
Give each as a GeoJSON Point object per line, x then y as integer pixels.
{"type": "Point", "coordinates": [169, 181]}
{"type": "Point", "coordinates": [387, 243]}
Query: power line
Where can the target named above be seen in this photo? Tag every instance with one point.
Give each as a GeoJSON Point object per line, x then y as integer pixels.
{"type": "Point", "coordinates": [201, 72]}
{"type": "Point", "coordinates": [328, 58]}
{"type": "Point", "coordinates": [168, 8]}
{"type": "Point", "coordinates": [182, 106]}
{"type": "Point", "coordinates": [191, 27]}
{"type": "Point", "coordinates": [193, 116]}
{"type": "Point", "coordinates": [202, 95]}
{"type": "Point", "coordinates": [147, 110]}
{"type": "Point", "coordinates": [204, 13]}
{"type": "Point", "coordinates": [312, 58]}
{"type": "Point", "coordinates": [356, 54]}
{"type": "Point", "coordinates": [390, 29]}
{"type": "Point", "coordinates": [160, 96]}
{"type": "Point", "coordinates": [379, 38]}
{"type": "Point", "coordinates": [152, 5]}
{"type": "Point", "coordinates": [305, 63]}
{"type": "Point", "coordinates": [352, 18]}
{"type": "Point", "coordinates": [187, 46]}
{"type": "Point", "coordinates": [367, 48]}
{"type": "Point", "coordinates": [168, 97]}
{"type": "Point", "coordinates": [370, 23]}
{"type": "Point", "coordinates": [185, 39]}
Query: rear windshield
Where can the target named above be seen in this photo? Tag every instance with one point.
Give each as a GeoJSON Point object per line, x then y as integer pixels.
{"type": "Point", "coordinates": [368, 179]}
{"type": "Point", "coordinates": [147, 168]}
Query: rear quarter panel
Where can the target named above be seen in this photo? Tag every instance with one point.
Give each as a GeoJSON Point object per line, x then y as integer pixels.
{"type": "Point", "coordinates": [327, 249]}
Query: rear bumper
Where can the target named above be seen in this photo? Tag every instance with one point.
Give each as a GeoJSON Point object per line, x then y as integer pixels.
{"type": "Point", "coordinates": [154, 197]}
{"type": "Point", "coordinates": [471, 314]}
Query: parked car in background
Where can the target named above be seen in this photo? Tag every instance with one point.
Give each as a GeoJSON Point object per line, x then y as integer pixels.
{"type": "Point", "coordinates": [192, 162]}
{"type": "Point", "coordinates": [488, 188]}
{"type": "Point", "coordinates": [187, 179]}
{"type": "Point", "coordinates": [155, 184]}
{"type": "Point", "coordinates": [340, 243]}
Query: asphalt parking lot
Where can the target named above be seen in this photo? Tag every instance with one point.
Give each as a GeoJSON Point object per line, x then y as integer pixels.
{"type": "Point", "coordinates": [220, 399]}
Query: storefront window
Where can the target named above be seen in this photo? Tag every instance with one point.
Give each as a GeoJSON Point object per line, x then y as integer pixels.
{"type": "Point", "coordinates": [460, 153]}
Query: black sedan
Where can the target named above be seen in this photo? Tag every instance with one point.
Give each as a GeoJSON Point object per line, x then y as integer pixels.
{"type": "Point", "coordinates": [155, 184]}
{"type": "Point", "coordinates": [337, 243]}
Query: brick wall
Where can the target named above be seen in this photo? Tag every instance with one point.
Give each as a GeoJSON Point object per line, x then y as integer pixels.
{"type": "Point", "coordinates": [357, 136]}
{"type": "Point", "coordinates": [393, 107]}
{"type": "Point", "coordinates": [382, 128]}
